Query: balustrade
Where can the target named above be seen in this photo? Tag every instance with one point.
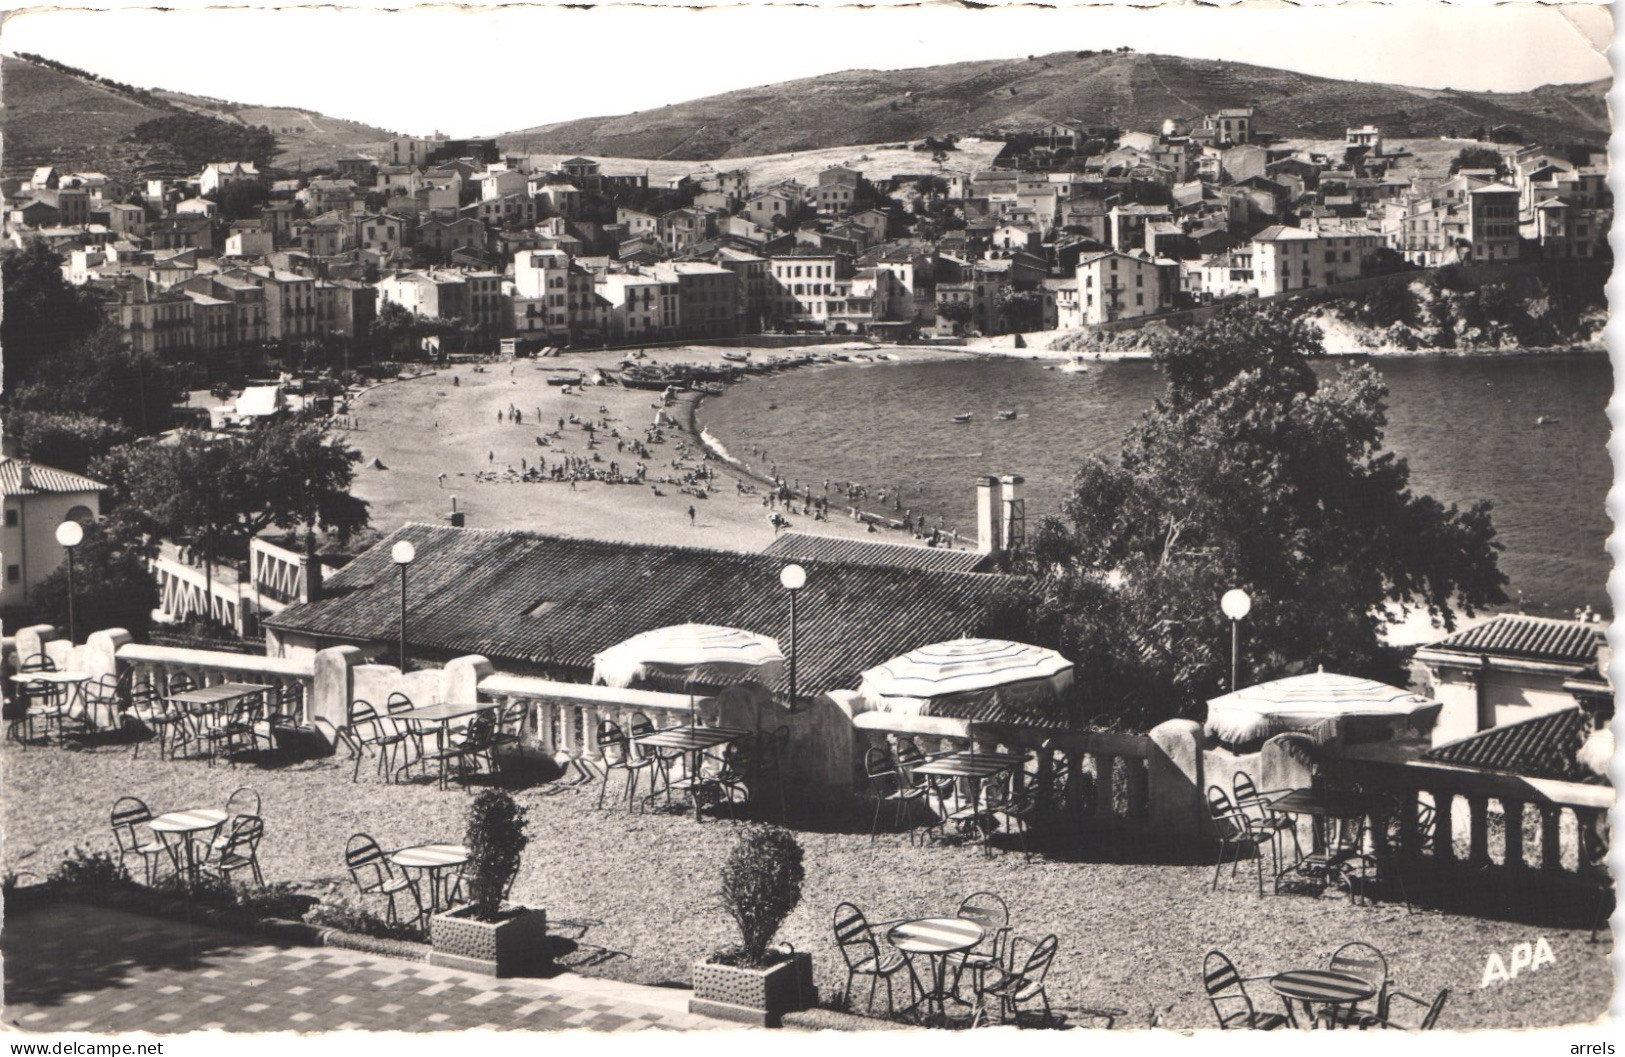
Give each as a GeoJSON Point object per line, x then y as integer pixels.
{"type": "Point", "coordinates": [294, 679]}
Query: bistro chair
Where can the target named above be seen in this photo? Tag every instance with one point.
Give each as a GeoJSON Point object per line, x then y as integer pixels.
{"type": "Point", "coordinates": [864, 956]}
{"type": "Point", "coordinates": [615, 754]}
{"type": "Point", "coordinates": [638, 725]}
{"type": "Point", "coordinates": [510, 729]}
{"type": "Point", "coordinates": [130, 817]}
{"type": "Point", "coordinates": [990, 912]}
{"type": "Point", "coordinates": [730, 782]}
{"type": "Point", "coordinates": [283, 714]}
{"type": "Point", "coordinates": [1227, 989]}
{"type": "Point", "coordinates": [46, 701]}
{"type": "Point", "coordinates": [1235, 834]}
{"type": "Point", "coordinates": [1014, 988]}
{"type": "Point", "coordinates": [374, 874]}
{"type": "Point", "coordinates": [242, 803]}
{"type": "Point", "coordinates": [465, 749]}
{"type": "Point", "coordinates": [1257, 805]}
{"type": "Point", "coordinates": [1430, 1013]}
{"type": "Point", "coordinates": [1410, 846]}
{"type": "Point", "coordinates": [366, 732]}
{"type": "Point", "coordinates": [410, 735]}
{"type": "Point", "coordinates": [101, 696]}
{"type": "Point", "coordinates": [888, 785]}
{"type": "Point", "coordinates": [234, 731]}
{"type": "Point", "coordinates": [241, 850]}
{"type": "Point", "coordinates": [1369, 964]}
{"type": "Point", "coordinates": [149, 710]}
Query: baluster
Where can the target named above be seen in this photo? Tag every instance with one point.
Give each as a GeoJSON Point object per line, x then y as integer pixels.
{"type": "Point", "coordinates": [1444, 847]}
{"type": "Point", "coordinates": [1512, 820]}
{"type": "Point", "coordinates": [1074, 783]}
{"type": "Point", "coordinates": [1478, 830]}
{"type": "Point", "coordinates": [1107, 800]}
{"type": "Point", "coordinates": [1551, 841]}
{"type": "Point", "coordinates": [1138, 787]}
{"type": "Point", "coordinates": [1586, 830]}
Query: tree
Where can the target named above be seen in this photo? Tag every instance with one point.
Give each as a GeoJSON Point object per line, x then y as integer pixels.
{"type": "Point", "coordinates": [1479, 158]}
{"type": "Point", "coordinates": [1250, 472]}
{"type": "Point", "coordinates": [959, 312]}
{"type": "Point", "coordinates": [101, 376]}
{"type": "Point", "coordinates": [44, 315]}
{"type": "Point", "coordinates": [242, 199]}
{"type": "Point", "coordinates": [65, 440]}
{"type": "Point", "coordinates": [113, 583]}
{"type": "Point", "coordinates": [1022, 309]}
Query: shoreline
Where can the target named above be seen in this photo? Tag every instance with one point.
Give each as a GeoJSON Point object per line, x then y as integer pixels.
{"type": "Point", "coordinates": [975, 347]}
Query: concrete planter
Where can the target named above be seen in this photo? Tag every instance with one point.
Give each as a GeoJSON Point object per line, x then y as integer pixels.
{"type": "Point", "coordinates": [496, 948]}
{"type": "Point", "coordinates": [754, 996]}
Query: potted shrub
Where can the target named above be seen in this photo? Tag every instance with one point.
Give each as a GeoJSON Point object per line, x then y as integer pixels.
{"type": "Point", "coordinates": [755, 983]}
{"type": "Point", "coordinates": [488, 935]}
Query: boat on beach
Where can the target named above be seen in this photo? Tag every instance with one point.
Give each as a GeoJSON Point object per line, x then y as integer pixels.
{"type": "Point", "coordinates": [1075, 366]}
{"type": "Point", "coordinates": [737, 357]}
{"type": "Point", "coordinates": [1007, 416]}
{"type": "Point", "coordinates": [963, 416]}
{"type": "Point", "coordinates": [564, 379]}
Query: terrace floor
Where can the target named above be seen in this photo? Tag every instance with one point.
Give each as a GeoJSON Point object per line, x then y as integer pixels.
{"type": "Point", "coordinates": [639, 890]}
{"type": "Point", "coordinates": [93, 969]}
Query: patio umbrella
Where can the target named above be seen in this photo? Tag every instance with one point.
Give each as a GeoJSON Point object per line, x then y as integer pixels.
{"type": "Point", "coordinates": [693, 652]}
{"type": "Point", "coordinates": [951, 676]}
{"type": "Point", "coordinates": [1299, 702]}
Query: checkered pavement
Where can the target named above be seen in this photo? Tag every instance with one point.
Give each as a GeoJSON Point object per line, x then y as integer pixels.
{"type": "Point", "coordinates": [99, 970]}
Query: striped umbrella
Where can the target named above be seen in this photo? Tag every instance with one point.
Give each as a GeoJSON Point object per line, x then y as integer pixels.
{"type": "Point", "coordinates": [695, 653]}
{"type": "Point", "coordinates": [1299, 702]}
{"type": "Point", "coordinates": [985, 671]}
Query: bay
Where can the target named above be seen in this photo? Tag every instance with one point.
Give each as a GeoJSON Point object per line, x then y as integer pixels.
{"type": "Point", "coordinates": [1471, 428]}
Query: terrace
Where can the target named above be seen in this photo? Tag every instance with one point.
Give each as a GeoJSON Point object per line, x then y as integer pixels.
{"type": "Point", "coordinates": [1123, 877]}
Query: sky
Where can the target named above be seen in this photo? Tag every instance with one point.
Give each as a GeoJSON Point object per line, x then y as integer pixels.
{"type": "Point", "coordinates": [526, 66]}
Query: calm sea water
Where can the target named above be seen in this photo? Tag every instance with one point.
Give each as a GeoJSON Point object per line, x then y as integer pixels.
{"type": "Point", "coordinates": [1467, 426]}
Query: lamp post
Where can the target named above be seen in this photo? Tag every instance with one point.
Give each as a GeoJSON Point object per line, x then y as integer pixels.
{"type": "Point", "coordinates": [1236, 605]}
{"type": "Point", "coordinates": [403, 554]}
{"type": "Point", "coordinates": [70, 534]}
{"type": "Point", "coordinates": [794, 578]}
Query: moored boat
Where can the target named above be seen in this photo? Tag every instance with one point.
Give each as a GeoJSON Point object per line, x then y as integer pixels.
{"type": "Point", "coordinates": [963, 416]}
{"type": "Point", "coordinates": [1006, 416]}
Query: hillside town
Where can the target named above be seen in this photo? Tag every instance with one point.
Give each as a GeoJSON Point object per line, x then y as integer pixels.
{"type": "Point", "coordinates": [454, 246]}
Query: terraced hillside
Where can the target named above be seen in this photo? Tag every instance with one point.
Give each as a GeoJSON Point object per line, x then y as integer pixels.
{"type": "Point", "coordinates": [1123, 89]}
{"type": "Point", "coordinates": [55, 118]}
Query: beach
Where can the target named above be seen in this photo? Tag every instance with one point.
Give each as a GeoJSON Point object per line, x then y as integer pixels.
{"type": "Point", "coordinates": [430, 442]}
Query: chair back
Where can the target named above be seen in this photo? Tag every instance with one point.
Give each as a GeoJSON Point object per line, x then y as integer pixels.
{"type": "Point", "coordinates": [1039, 959]}
{"type": "Point", "coordinates": [38, 662]}
{"type": "Point", "coordinates": [128, 813]}
{"type": "Point", "coordinates": [364, 721]}
{"type": "Point", "coordinates": [613, 746]}
{"type": "Point", "coordinates": [1222, 982]}
{"type": "Point", "coordinates": [880, 769]}
{"type": "Point", "coordinates": [1246, 790]}
{"type": "Point", "coordinates": [1231, 822]}
{"type": "Point", "coordinates": [369, 867]}
{"type": "Point", "coordinates": [288, 702]}
{"type": "Point", "coordinates": [990, 912]}
{"type": "Point", "coordinates": [511, 718]}
{"type": "Point", "coordinates": [1366, 962]}
{"type": "Point", "coordinates": [853, 937]}
{"type": "Point", "coordinates": [180, 682]}
{"type": "Point", "coordinates": [1432, 1017]}
{"type": "Point", "coordinates": [481, 732]}
{"type": "Point", "coordinates": [244, 838]}
{"type": "Point", "coordinates": [144, 699]}
{"type": "Point", "coordinates": [244, 801]}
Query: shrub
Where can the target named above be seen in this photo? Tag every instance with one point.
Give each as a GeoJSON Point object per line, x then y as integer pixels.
{"type": "Point", "coordinates": [279, 900]}
{"type": "Point", "coordinates": [347, 917]}
{"type": "Point", "coordinates": [81, 867]}
{"type": "Point", "coordinates": [206, 890]}
{"type": "Point", "coordinates": [495, 839]}
{"type": "Point", "coordinates": [761, 884]}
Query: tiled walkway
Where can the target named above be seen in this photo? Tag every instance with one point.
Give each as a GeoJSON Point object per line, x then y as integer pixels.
{"type": "Point", "coordinates": [90, 969]}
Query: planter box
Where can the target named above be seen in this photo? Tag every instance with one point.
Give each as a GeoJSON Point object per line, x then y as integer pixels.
{"type": "Point", "coordinates": [495, 948]}
{"type": "Point", "coordinates": [754, 996]}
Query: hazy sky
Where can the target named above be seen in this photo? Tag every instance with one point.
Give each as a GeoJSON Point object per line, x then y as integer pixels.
{"type": "Point", "coordinates": [479, 72]}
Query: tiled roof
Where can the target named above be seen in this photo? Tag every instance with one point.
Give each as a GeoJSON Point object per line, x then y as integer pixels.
{"type": "Point", "coordinates": [1542, 747]}
{"type": "Point", "coordinates": [41, 479]}
{"type": "Point", "coordinates": [553, 602]}
{"type": "Point", "coordinates": [807, 546]}
{"type": "Point", "coordinates": [1529, 638]}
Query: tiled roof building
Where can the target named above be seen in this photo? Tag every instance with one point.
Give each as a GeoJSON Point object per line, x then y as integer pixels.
{"type": "Point", "coordinates": [1543, 747]}
{"type": "Point", "coordinates": [548, 603]}
{"type": "Point", "coordinates": [806, 546]}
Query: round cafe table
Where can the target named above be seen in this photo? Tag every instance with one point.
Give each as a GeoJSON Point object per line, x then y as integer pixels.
{"type": "Point", "coordinates": [184, 830]}
{"type": "Point", "coordinates": [935, 939]}
{"type": "Point", "coordinates": [1319, 987]}
{"type": "Point", "coordinates": [434, 860]}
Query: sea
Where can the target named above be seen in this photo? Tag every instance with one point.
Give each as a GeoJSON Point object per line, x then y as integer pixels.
{"type": "Point", "coordinates": [1529, 433]}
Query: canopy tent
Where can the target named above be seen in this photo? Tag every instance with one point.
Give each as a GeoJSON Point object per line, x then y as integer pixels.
{"type": "Point", "coordinates": [949, 678]}
{"type": "Point", "coordinates": [1303, 702]}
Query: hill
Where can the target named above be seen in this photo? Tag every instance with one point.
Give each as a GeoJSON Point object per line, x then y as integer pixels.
{"type": "Point", "coordinates": [1121, 89]}
{"type": "Point", "coordinates": [69, 119]}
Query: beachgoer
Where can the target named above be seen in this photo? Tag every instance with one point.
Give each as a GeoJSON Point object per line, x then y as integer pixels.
{"type": "Point", "coordinates": [490, 456]}
{"type": "Point", "coordinates": [691, 515]}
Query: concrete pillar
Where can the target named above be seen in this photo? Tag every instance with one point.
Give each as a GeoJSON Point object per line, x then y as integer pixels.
{"type": "Point", "coordinates": [334, 685]}
{"type": "Point", "coordinates": [101, 652]}
{"type": "Point", "coordinates": [33, 639]}
{"type": "Point", "coordinates": [460, 678]}
{"type": "Point", "coordinates": [1174, 780]}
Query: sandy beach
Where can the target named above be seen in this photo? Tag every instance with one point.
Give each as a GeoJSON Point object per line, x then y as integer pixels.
{"type": "Point", "coordinates": [428, 441]}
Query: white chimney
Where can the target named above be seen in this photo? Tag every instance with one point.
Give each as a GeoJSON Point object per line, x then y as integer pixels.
{"type": "Point", "coordinates": [1013, 513]}
{"type": "Point", "coordinates": [987, 516]}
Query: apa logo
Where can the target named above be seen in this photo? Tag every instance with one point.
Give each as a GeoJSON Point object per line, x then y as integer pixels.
{"type": "Point", "coordinates": [1530, 956]}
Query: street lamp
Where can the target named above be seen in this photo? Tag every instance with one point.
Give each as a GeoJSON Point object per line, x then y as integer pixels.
{"type": "Point", "coordinates": [1236, 605]}
{"type": "Point", "coordinates": [70, 534]}
{"type": "Point", "coordinates": [794, 578]}
{"type": "Point", "coordinates": [403, 554]}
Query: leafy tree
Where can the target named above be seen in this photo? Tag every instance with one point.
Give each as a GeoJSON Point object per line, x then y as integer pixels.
{"type": "Point", "coordinates": [1479, 158]}
{"type": "Point", "coordinates": [44, 315]}
{"type": "Point", "coordinates": [955, 311]}
{"type": "Point", "coordinates": [66, 440]}
{"type": "Point", "coordinates": [242, 200]}
{"type": "Point", "coordinates": [101, 376]}
{"type": "Point", "coordinates": [1249, 472]}
{"type": "Point", "coordinates": [200, 139]}
{"type": "Point", "coordinates": [1022, 309]}
{"type": "Point", "coordinates": [113, 584]}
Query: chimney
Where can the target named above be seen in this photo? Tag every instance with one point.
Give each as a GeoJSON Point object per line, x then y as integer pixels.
{"type": "Point", "coordinates": [1013, 513]}
{"type": "Point", "coordinates": [987, 516]}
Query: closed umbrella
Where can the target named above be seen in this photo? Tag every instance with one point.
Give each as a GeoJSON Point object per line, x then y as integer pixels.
{"type": "Point", "coordinates": [1299, 702]}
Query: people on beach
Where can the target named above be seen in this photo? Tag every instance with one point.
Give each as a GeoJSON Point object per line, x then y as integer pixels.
{"type": "Point", "coordinates": [691, 515]}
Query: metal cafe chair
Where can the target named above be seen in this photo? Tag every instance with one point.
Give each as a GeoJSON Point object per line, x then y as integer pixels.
{"type": "Point", "coordinates": [1227, 989]}
{"type": "Point", "coordinates": [1014, 988]}
{"type": "Point", "coordinates": [149, 710]}
{"type": "Point", "coordinates": [374, 874]}
{"type": "Point", "coordinates": [888, 786]}
{"type": "Point", "coordinates": [1235, 834]}
{"type": "Point", "coordinates": [1369, 964]}
{"type": "Point", "coordinates": [242, 803]}
{"type": "Point", "coordinates": [638, 725]}
{"type": "Point", "coordinates": [615, 754]}
{"type": "Point", "coordinates": [130, 814]}
{"type": "Point", "coordinates": [865, 956]}
{"type": "Point", "coordinates": [241, 850]}
{"type": "Point", "coordinates": [1430, 1013]}
{"type": "Point", "coordinates": [992, 913]}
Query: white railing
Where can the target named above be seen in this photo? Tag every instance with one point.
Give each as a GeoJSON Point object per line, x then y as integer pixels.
{"type": "Point", "coordinates": [184, 590]}
{"type": "Point", "coordinates": [277, 574]}
{"type": "Point", "coordinates": [294, 679]}
{"type": "Point", "coordinates": [562, 718]}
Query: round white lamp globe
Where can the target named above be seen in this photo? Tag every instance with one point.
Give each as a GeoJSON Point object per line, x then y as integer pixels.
{"type": "Point", "coordinates": [793, 577]}
{"type": "Point", "coordinates": [1236, 604]}
{"type": "Point", "coordinates": [403, 553]}
{"type": "Point", "coordinates": [70, 533]}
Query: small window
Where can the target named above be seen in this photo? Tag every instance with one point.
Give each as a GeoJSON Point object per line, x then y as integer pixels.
{"type": "Point", "coordinates": [11, 519]}
{"type": "Point", "coordinates": [14, 573]}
